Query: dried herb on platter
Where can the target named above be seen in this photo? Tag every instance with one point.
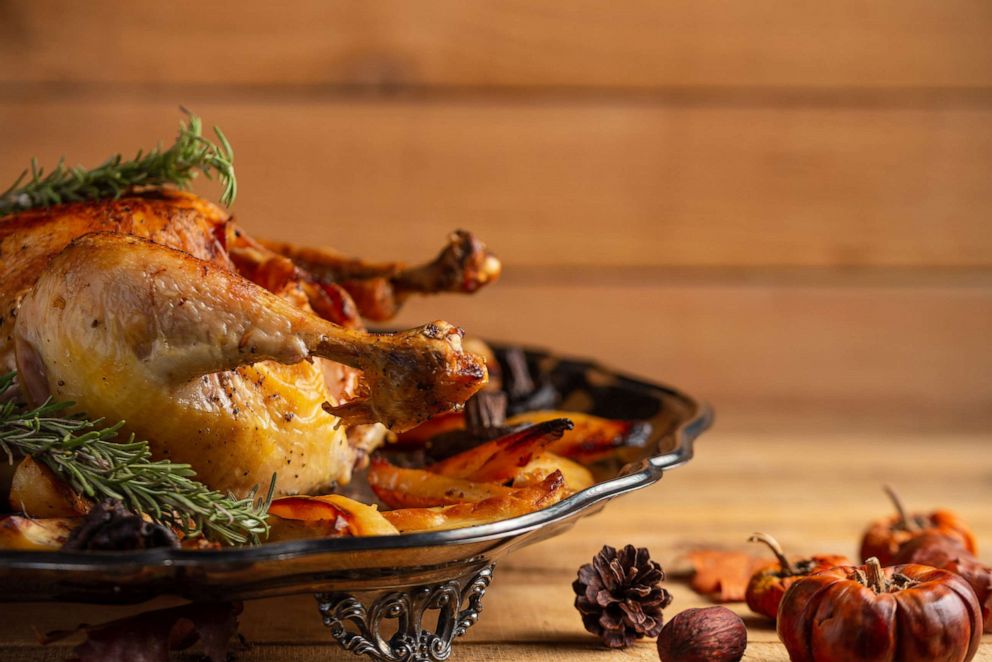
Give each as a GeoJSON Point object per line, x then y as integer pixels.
{"type": "Point", "coordinates": [151, 635]}
{"type": "Point", "coordinates": [619, 596]}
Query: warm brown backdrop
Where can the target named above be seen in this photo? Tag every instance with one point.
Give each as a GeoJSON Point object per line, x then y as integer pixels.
{"type": "Point", "coordinates": [781, 205]}
{"type": "Point", "coordinates": [778, 205]}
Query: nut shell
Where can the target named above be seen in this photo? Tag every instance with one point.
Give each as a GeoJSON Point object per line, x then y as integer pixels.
{"type": "Point", "coordinates": [710, 634]}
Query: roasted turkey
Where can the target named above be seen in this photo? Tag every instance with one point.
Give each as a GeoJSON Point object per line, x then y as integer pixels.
{"type": "Point", "coordinates": [242, 358]}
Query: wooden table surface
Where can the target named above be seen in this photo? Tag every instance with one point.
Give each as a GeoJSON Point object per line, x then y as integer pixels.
{"type": "Point", "coordinates": [814, 491]}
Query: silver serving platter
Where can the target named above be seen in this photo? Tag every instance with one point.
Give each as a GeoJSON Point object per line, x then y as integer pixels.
{"type": "Point", "coordinates": [360, 583]}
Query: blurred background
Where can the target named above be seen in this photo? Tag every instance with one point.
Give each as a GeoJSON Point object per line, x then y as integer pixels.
{"type": "Point", "coordinates": [783, 207]}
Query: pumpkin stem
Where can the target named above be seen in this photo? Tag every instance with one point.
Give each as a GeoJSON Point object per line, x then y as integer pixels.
{"type": "Point", "coordinates": [776, 550]}
{"type": "Point", "coordinates": [876, 576]}
{"type": "Point", "coordinates": [905, 521]}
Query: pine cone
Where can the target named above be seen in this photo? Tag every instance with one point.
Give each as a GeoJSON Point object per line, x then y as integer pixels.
{"type": "Point", "coordinates": [619, 597]}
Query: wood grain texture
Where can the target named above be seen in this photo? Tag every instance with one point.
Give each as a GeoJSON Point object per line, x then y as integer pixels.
{"type": "Point", "coordinates": [908, 356]}
{"type": "Point", "coordinates": [771, 43]}
{"type": "Point", "coordinates": [577, 184]}
{"type": "Point", "coordinates": [820, 504]}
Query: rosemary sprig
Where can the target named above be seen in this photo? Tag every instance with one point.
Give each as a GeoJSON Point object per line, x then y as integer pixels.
{"type": "Point", "coordinates": [88, 458]}
{"type": "Point", "coordinates": [178, 165]}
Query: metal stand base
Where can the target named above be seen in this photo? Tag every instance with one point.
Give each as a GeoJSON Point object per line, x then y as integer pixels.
{"type": "Point", "coordinates": [357, 625]}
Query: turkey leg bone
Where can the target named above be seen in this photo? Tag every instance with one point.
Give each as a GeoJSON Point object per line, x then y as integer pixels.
{"type": "Point", "coordinates": [380, 289]}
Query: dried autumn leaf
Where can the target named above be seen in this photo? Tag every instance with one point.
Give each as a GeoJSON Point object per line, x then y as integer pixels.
{"type": "Point", "coordinates": [149, 636]}
{"type": "Point", "coordinates": [722, 575]}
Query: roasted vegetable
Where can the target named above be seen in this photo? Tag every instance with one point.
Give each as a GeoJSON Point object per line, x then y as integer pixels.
{"type": "Point", "coordinates": [398, 487]}
{"type": "Point", "coordinates": [577, 477]}
{"type": "Point", "coordinates": [17, 532]}
{"type": "Point", "coordinates": [325, 516]}
{"type": "Point", "coordinates": [501, 458]}
{"type": "Point", "coordinates": [36, 491]}
{"type": "Point", "coordinates": [520, 502]}
{"type": "Point", "coordinates": [591, 438]}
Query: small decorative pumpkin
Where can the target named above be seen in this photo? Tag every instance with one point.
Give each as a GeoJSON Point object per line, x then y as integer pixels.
{"type": "Point", "coordinates": [949, 554]}
{"type": "Point", "coordinates": [768, 585]}
{"type": "Point", "coordinates": [884, 537]}
{"type": "Point", "coordinates": [908, 613]}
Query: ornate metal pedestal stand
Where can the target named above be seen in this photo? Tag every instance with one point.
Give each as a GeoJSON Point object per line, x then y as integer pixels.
{"type": "Point", "coordinates": [357, 622]}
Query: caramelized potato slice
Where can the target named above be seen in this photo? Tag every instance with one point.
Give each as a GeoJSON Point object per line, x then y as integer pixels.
{"type": "Point", "coordinates": [36, 491]}
{"type": "Point", "coordinates": [399, 487]}
{"type": "Point", "coordinates": [591, 438]}
{"type": "Point", "coordinates": [522, 501]}
{"type": "Point", "coordinates": [50, 534]}
{"type": "Point", "coordinates": [577, 477]}
{"type": "Point", "coordinates": [500, 459]}
{"type": "Point", "coordinates": [420, 435]}
{"type": "Point", "coordinates": [291, 518]}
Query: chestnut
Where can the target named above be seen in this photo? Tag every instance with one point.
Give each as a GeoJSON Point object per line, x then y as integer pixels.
{"type": "Point", "coordinates": [709, 634]}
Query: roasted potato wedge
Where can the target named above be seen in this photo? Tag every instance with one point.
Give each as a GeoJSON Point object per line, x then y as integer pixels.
{"type": "Point", "coordinates": [420, 435]}
{"type": "Point", "coordinates": [17, 532]}
{"type": "Point", "coordinates": [591, 438]}
{"type": "Point", "coordinates": [522, 501]}
{"type": "Point", "coordinates": [398, 487]}
{"type": "Point", "coordinates": [36, 491]}
{"type": "Point", "coordinates": [499, 460]}
{"type": "Point", "coordinates": [577, 477]}
{"type": "Point", "coordinates": [325, 516]}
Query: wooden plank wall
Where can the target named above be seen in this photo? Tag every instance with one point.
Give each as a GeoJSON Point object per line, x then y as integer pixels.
{"type": "Point", "coordinates": [783, 206]}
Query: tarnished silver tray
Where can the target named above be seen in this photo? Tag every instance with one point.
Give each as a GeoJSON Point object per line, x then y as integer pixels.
{"type": "Point", "coordinates": [361, 583]}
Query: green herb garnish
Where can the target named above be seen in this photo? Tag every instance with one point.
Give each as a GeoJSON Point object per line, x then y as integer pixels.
{"type": "Point", "coordinates": [88, 457]}
{"type": "Point", "coordinates": [178, 165]}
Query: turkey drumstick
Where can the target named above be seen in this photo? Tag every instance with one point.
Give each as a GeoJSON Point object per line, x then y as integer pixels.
{"type": "Point", "coordinates": [380, 289]}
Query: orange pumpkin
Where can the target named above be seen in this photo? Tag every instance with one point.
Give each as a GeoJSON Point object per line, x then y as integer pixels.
{"type": "Point", "coordinates": [908, 613]}
{"type": "Point", "coordinates": [884, 537]}
{"type": "Point", "coordinates": [769, 584]}
{"type": "Point", "coordinates": [949, 554]}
